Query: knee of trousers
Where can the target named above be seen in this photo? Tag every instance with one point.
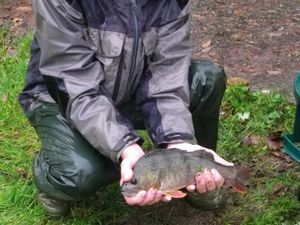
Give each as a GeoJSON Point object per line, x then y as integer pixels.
{"type": "Point", "coordinates": [207, 82]}
{"type": "Point", "coordinates": [77, 178]}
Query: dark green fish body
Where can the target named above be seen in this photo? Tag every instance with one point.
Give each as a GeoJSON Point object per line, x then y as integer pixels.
{"type": "Point", "coordinates": [173, 169]}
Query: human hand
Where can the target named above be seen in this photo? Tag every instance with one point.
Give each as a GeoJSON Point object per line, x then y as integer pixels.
{"type": "Point", "coordinates": [208, 180]}
{"type": "Point", "coordinates": [129, 158]}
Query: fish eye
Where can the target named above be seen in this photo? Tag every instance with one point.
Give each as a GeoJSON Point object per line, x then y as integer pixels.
{"type": "Point", "coordinates": [133, 181]}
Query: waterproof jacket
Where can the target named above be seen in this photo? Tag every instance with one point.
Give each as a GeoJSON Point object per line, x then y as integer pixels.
{"type": "Point", "coordinates": [92, 56]}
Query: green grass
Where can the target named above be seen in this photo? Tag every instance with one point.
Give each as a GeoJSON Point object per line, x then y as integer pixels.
{"type": "Point", "coordinates": [269, 112]}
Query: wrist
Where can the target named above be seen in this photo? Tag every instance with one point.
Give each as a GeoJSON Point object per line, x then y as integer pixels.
{"type": "Point", "coordinates": [132, 149]}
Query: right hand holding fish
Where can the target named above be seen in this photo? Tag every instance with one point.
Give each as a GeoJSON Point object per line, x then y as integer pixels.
{"type": "Point", "coordinates": [208, 180]}
{"type": "Point", "coordinates": [129, 158]}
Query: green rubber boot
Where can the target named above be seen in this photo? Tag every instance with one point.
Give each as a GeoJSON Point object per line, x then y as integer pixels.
{"type": "Point", "coordinates": [55, 208]}
{"type": "Point", "coordinates": [213, 200]}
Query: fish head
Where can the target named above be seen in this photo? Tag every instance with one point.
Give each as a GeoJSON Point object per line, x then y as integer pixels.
{"type": "Point", "coordinates": [131, 188]}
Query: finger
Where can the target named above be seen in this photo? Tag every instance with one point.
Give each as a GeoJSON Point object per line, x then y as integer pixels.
{"type": "Point", "coordinates": [219, 159]}
{"type": "Point", "coordinates": [136, 199]}
{"type": "Point", "coordinates": [200, 183]}
{"type": "Point", "coordinates": [219, 180]}
{"type": "Point", "coordinates": [121, 181]}
{"type": "Point", "coordinates": [150, 196]}
{"type": "Point", "coordinates": [166, 198]}
{"type": "Point", "coordinates": [209, 180]}
{"type": "Point", "coordinates": [157, 197]}
{"type": "Point", "coordinates": [126, 171]}
{"type": "Point", "coordinates": [191, 188]}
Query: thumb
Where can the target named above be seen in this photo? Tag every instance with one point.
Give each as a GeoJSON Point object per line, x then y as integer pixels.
{"type": "Point", "coordinates": [218, 158]}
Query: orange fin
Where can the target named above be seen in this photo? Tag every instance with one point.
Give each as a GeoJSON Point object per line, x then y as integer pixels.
{"type": "Point", "coordinates": [238, 183]}
{"type": "Point", "coordinates": [239, 187]}
{"type": "Point", "coordinates": [175, 194]}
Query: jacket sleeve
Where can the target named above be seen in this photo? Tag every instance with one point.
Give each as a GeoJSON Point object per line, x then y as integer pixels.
{"type": "Point", "coordinates": [164, 93]}
{"type": "Point", "coordinates": [66, 56]}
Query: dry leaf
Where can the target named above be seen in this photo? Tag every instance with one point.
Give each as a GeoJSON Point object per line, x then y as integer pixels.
{"type": "Point", "coordinates": [274, 72]}
{"type": "Point", "coordinates": [11, 51]}
{"type": "Point", "coordinates": [274, 145]}
{"type": "Point", "coordinates": [205, 50]}
{"type": "Point", "coordinates": [276, 154]}
{"type": "Point", "coordinates": [275, 34]}
{"type": "Point", "coordinates": [239, 12]}
{"type": "Point", "coordinates": [251, 140]}
{"type": "Point", "coordinates": [17, 21]}
{"type": "Point", "coordinates": [277, 188]}
{"type": "Point", "coordinates": [4, 98]}
{"type": "Point", "coordinates": [24, 9]}
{"type": "Point", "coordinates": [22, 172]}
{"type": "Point", "coordinates": [288, 159]}
{"type": "Point", "coordinates": [237, 80]}
{"type": "Point", "coordinates": [206, 44]}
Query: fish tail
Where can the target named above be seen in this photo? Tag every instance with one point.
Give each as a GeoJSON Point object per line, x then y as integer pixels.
{"type": "Point", "coordinates": [239, 181]}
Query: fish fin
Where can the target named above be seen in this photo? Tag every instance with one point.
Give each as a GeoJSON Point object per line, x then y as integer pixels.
{"type": "Point", "coordinates": [238, 183]}
{"type": "Point", "coordinates": [175, 194]}
{"type": "Point", "coordinates": [238, 187]}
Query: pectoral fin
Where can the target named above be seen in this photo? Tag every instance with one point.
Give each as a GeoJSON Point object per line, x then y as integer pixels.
{"type": "Point", "coordinates": [175, 194]}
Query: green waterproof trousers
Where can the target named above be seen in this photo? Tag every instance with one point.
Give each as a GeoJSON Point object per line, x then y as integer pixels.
{"type": "Point", "coordinates": [68, 168]}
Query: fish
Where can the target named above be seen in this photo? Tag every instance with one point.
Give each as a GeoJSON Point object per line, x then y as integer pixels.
{"type": "Point", "coordinates": [170, 170]}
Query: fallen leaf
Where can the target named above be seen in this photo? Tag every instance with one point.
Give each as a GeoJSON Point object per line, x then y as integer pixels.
{"type": "Point", "coordinates": [206, 44]}
{"type": "Point", "coordinates": [4, 98]}
{"type": "Point", "coordinates": [239, 12]}
{"type": "Point", "coordinates": [17, 21]}
{"type": "Point", "coordinates": [24, 9]}
{"type": "Point", "coordinates": [275, 34]}
{"type": "Point", "coordinates": [281, 167]}
{"type": "Point", "coordinates": [205, 50]}
{"type": "Point", "coordinates": [262, 158]}
{"type": "Point", "coordinates": [251, 140]}
{"type": "Point", "coordinates": [22, 172]}
{"type": "Point", "coordinates": [237, 37]}
{"type": "Point", "coordinates": [11, 51]}
{"type": "Point", "coordinates": [274, 72]}
{"type": "Point", "coordinates": [198, 17]}
{"type": "Point", "coordinates": [276, 154]}
{"type": "Point", "coordinates": [277, 188]}
{"type": "Point", "coordinates": [297, 174]}
{"type": "Point", "coordinates": [274, 144]}
{"type": "Point", "coordinates": [237, 81]}
{"type": "Point", "coordinates": [288, 159]}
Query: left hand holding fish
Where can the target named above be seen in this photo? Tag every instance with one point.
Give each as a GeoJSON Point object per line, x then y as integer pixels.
{"type": "Point", "coordinates": [209, 179]}
{"type": "Point", "coordinates": [129, 158]}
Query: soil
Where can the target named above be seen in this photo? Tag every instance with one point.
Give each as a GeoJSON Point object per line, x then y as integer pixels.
{"type": "Point", "coordinates": [257, 40]}
{"type": "Point", "coordinates": [254, 39]}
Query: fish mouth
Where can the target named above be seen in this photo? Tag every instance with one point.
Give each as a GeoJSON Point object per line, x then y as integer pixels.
{"type": "Point", "coordinates": [129, 190]}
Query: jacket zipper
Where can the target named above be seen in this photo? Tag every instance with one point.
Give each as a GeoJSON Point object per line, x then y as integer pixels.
{"type": "Point", "coordinates": [133, 57]}
{"type": "Point", "coordinates": [135, 46]}
{"type": "Point", "coordinates": [118, 79]}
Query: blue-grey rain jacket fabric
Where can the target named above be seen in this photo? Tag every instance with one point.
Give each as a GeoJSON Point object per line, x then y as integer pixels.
{"type": "Point", "coordinates": [96, 55]}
